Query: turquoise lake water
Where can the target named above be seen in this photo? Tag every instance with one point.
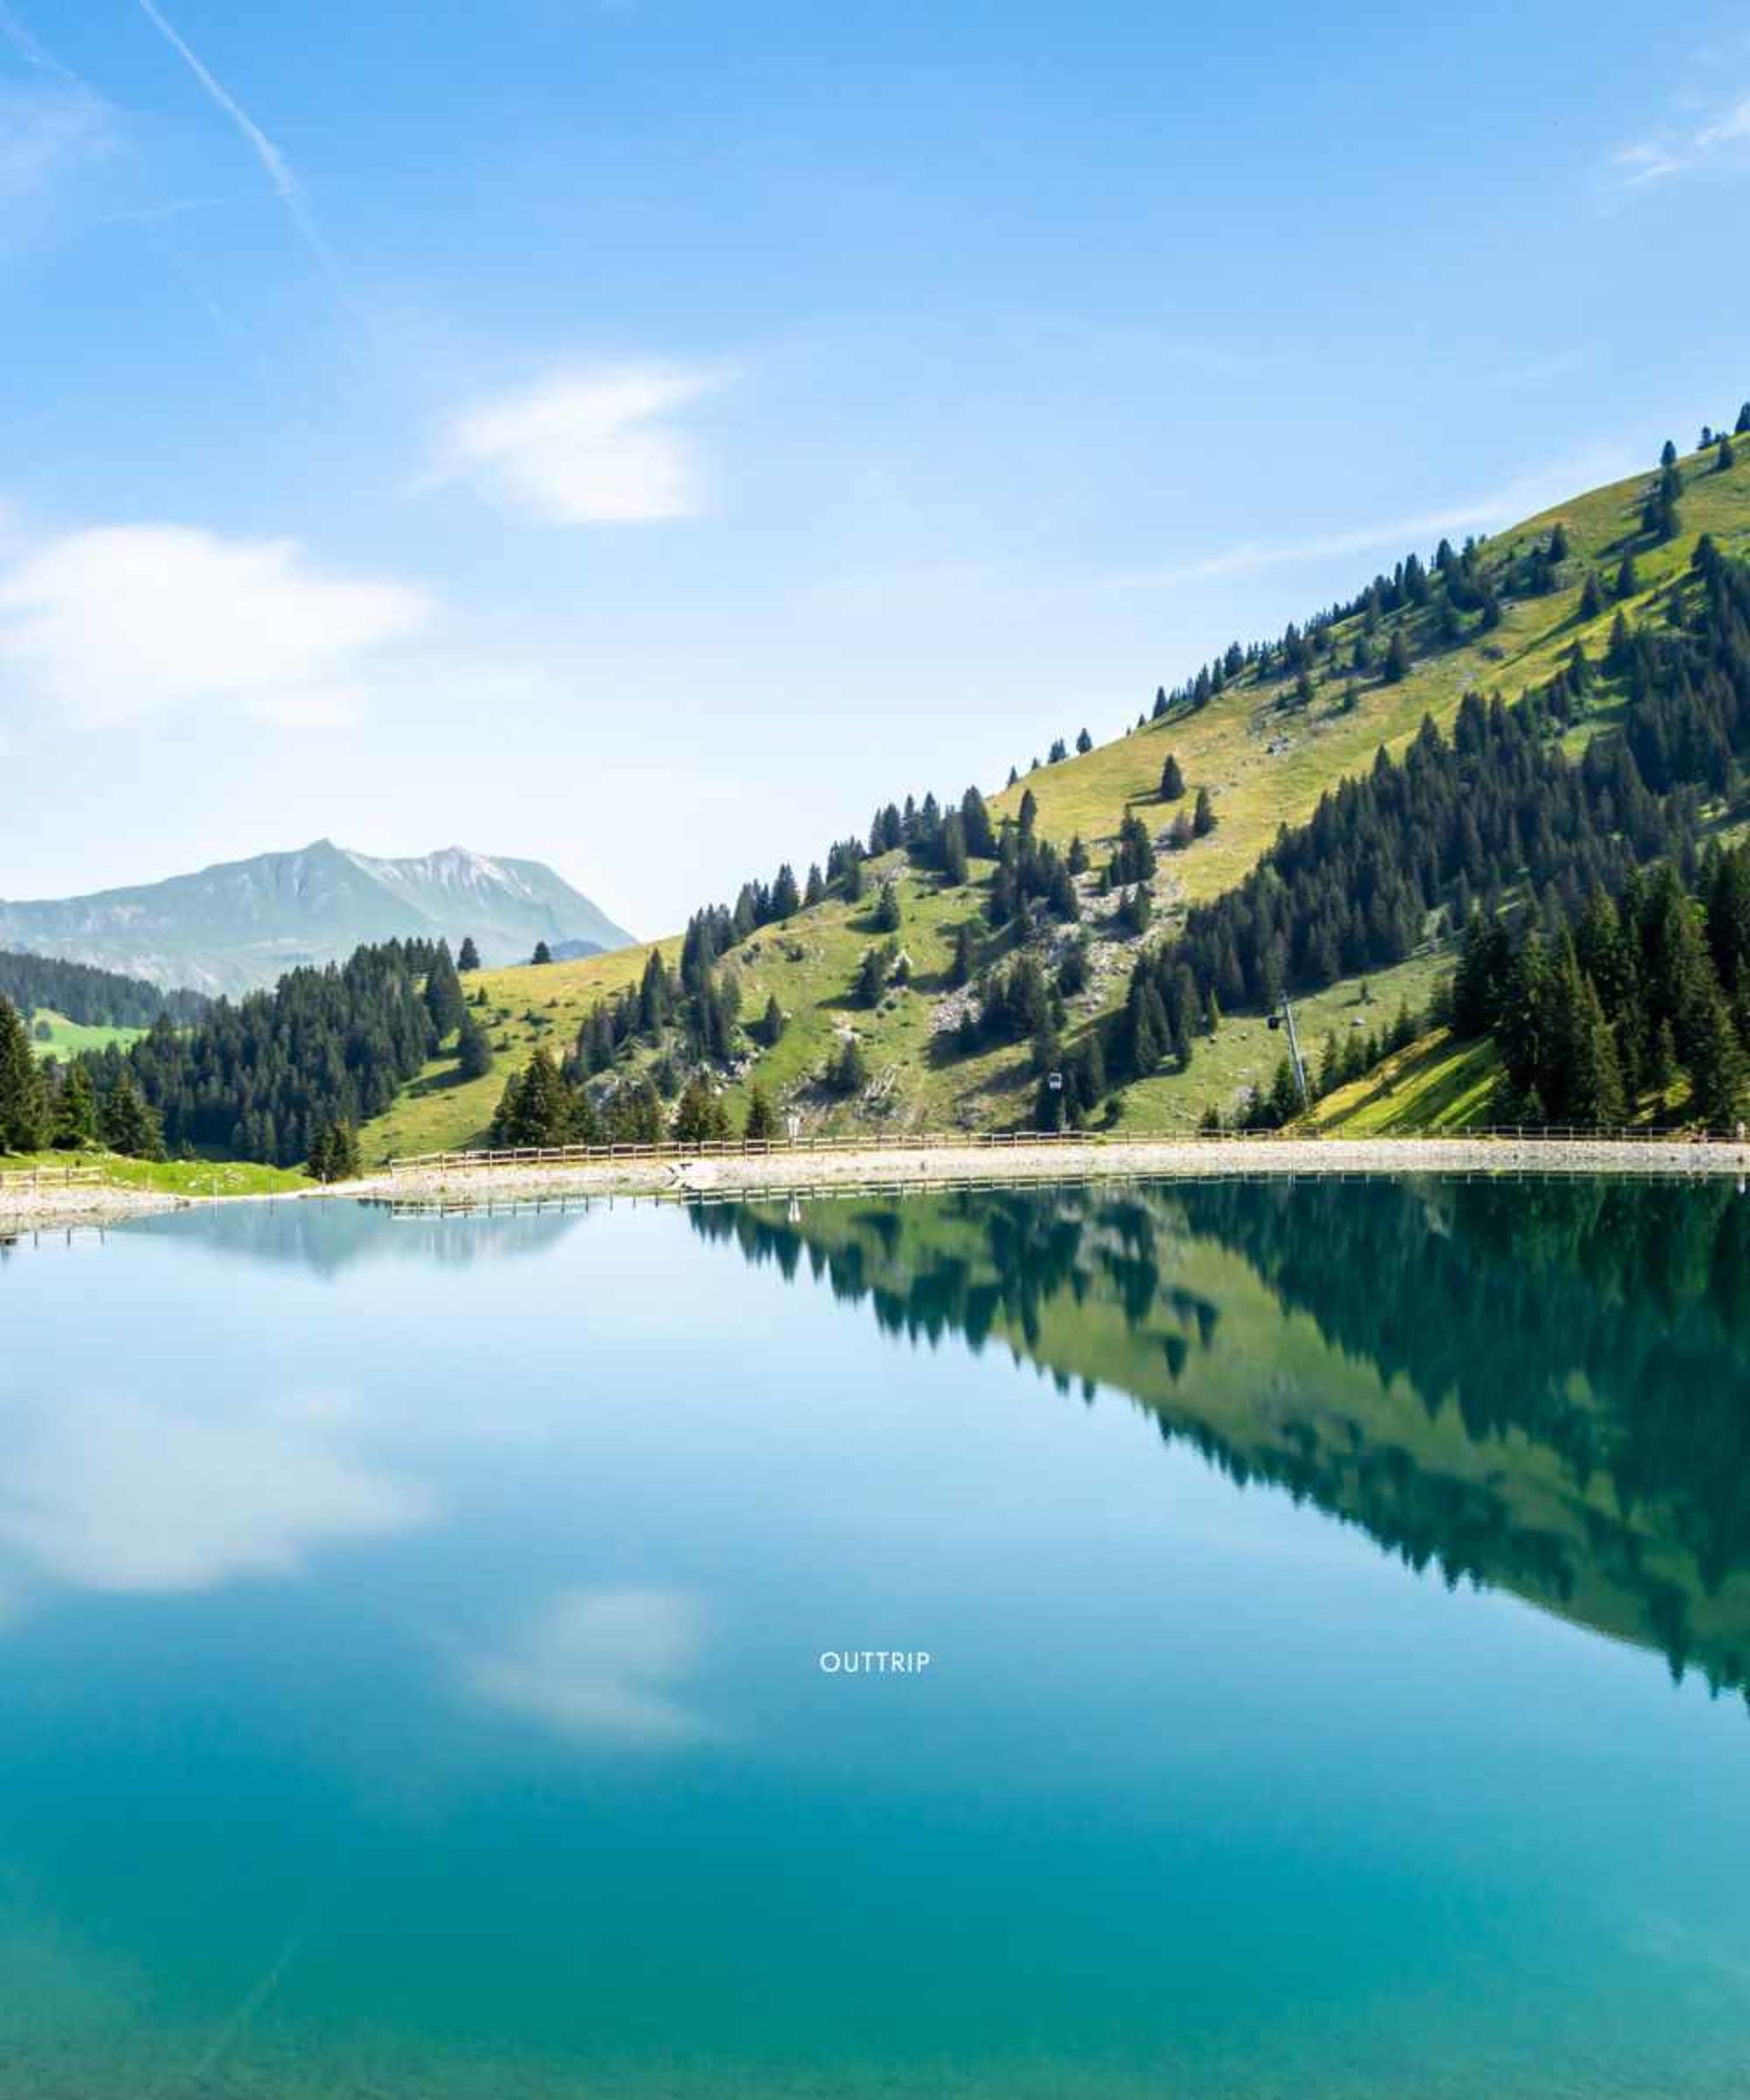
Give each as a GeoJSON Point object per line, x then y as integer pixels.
{"type": "Point", "coordinates": [1337, 1599]}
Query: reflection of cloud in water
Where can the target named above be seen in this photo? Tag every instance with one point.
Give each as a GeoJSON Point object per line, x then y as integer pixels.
{"type": "Point", "coordinates": [125, 1495]}
{"type": "Point", "coordinates": [598, 1665]}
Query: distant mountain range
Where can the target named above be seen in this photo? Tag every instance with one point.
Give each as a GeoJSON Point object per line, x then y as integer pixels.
{"type": "Point", "coordinates": [245, 922]}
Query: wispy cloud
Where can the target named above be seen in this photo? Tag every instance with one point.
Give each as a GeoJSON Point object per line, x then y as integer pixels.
{"type": "Point", "coordinates": [279, 170]}
{"type": "Point", "coordinates": [27, 47]}
{"type": "Point", "coordinates": [175, 208]}
{"type": "Point", "coordinates": [1721, 139]}
{"type": "Point", "coordinates": [117, 622]}
{"type": "Point", "coordinates": [590, 446]}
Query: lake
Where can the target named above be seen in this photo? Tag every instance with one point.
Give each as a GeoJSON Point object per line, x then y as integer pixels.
{"type": "Point", "coordinates": [1336, 1601]}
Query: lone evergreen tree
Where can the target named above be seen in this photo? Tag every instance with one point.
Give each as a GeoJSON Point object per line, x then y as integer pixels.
{"type": "Point", "coordinates": [1203, 817]}
{"type": "Point", "coordinates": [772, 1023]}
{"type": "Point", "coordinates": [1173, 779]}
{"type": "Point", "coordinates": [1084, 743]}
{"type": "Point", "coordinates": [887, 914]}
{"type": "Point", "coordinates": [849, 1072]}
{"type": "Point", "coordinates": [1723, 455]}
{"type": "Point", "coordinates": [473, 1053]}
{"type": "Point", "coordinates": [763, 1122]}
{"type": "Point", "coordinates": [960, 970]}
{"type": "Point", "coordinates": [468, 956]}
{"type": "Point", "coordinates": [542, 954]}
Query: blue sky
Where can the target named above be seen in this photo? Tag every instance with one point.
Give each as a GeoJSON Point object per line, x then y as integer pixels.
{"type": "Point", "coordinates": [641, 436]}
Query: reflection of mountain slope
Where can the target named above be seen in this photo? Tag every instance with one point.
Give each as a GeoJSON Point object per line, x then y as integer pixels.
{"type": "Point", "coordinates": [1542, 1386]}
{"type": "Point", "coordinates": [331, 1236]}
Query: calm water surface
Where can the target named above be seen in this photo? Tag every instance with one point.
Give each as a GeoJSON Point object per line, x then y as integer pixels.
{"type": "Point", "coordinates": [1339, 1601]}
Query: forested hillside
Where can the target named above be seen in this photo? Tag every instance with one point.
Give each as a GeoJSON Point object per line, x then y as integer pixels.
{"type": "Point", "coordinates": [92, 998]}
{"type": "Point", "coordinates": [1499, 730]}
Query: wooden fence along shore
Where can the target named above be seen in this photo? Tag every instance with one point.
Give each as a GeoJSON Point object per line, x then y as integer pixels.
{"type": "Point", "coordinates": [52, 1177]}
{"type": "Point", "coordinates": [426, 1163]}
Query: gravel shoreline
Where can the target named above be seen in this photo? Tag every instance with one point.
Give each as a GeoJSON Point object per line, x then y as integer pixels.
{"type": "Point", "coordinates": [945, 1165]}
{"type": "Point", "coordinates": [35, 1210]}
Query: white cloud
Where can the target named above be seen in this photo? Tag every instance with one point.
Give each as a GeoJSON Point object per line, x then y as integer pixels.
{"type": "Point", "coordinates": [598, 1665]}
{"type": "Point", "coordinates": [130, 1496]}
{"type": "Point", "coordinates": [1674, 151]}
{"type": "Point", "coordinates": [590, 447]}
{"type": "Point", "coordinates": [111, 623]}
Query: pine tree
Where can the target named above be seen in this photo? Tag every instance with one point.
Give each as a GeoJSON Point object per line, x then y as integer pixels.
{"type": "Point", "coordinates": [536, 1109]}
{"type": "Point", "coordinates": [127, 1124]}
{"type": "Point", "coordinates": [1084, 743]}
{"type": "Point", "coordinates": [786, 897]}
{"type": "Point", "coordinates": [871, 980]}
{"type": "Point", "coordinates": [960, 970]}
{"type": "Point", "coordinates": [444, 998]}
{"type": "Point", "coordinates": [334, 1153]}
{"type": "Point", "coordinates": [24, 1117]}
{"type": "Point", "coordinates": [1596, 1096]}
{"type": "Point", "coordinates": [700, 1119]}
{"type": "Point", "coordinates": [1717, 1065]}
{"type": "Point", "coordinates": [848, 1073]}
{"type": "Point", "coordinates": [1742, 428]}
{"type": "Point", "coordinates": [542, 954]}
{"type": "Point", "coordinates": [1628, 578]}
{"type": "Point", "coordinates": [1203, 817]}
{"type": "Point", "coordinates": [473, 1053]}
{"type": "Point", "coordinates": [762, 1121]}
{"type": "Point", "coordinates": [887, 912]}
{"type": "Point", "coordinates": [1591, 597]}
{"type": "Point", "coordinates": [772, 1023]}
{"type": "Point", "coordinates": [1173, 779]}
{"type": "Point", "coordinates": [1723, 455]}
{"type": "Point", "coordinates": [1397, 659]}
{"type": "Point", "coordinates": [975, 822]}
{"type": "Point", "coordinates": [76, 1111]}
{"type": "Point", "coordinates": [953, 850]}
{"type": "Point", "coordinates": [468, 957]}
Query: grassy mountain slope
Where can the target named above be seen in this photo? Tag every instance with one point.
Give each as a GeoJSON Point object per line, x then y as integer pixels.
{"type": "Point", "coordinates": [1266, 759]}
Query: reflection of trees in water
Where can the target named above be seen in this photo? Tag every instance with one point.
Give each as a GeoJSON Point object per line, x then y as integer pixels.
{"type": "Point", "coordinates": [1604, 1322]}
{"type": "Point", "coordinates": [1609, 1321]}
